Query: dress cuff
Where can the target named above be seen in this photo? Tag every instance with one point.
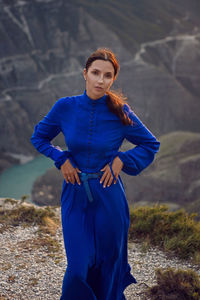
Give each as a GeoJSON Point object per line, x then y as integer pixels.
{"type": "Point", "coordinates": [65, 155]}
{"type": "Point", "coordinates": [121, 155]}
{"type": "Point", "coordinates": [130, 170]}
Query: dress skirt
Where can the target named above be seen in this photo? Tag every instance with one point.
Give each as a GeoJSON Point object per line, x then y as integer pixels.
{"type": "Point", "coordinates": [95, 238]}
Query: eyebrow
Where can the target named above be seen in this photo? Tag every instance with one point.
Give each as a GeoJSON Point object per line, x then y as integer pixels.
{"type": "Point", "coordinates": [95, 69]}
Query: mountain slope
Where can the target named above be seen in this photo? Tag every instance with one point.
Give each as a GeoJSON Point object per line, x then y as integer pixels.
{"type": "Point", "coordinates": [45, 44]}
{"type": "Point", "coordinates": [174, 175]}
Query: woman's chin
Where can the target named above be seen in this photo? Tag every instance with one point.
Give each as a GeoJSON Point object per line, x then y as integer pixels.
{"type": "Point", "coordinates": [99, 92]}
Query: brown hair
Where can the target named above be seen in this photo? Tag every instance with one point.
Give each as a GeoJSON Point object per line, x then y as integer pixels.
{"type": "Point", "coordinates": [115, 100]}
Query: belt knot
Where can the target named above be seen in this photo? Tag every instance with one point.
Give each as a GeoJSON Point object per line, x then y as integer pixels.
{"type": "Point", "coordinates": [84, 178]}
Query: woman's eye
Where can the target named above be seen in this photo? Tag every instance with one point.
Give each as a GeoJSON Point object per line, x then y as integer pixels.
{"type": "Point", "coordinates": [95, 72]}
{"type": "Point", "coordinates": [108, 75]}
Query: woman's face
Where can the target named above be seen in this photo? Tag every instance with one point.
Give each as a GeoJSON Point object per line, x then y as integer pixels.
{"type": "Point", "coordinates": [99, 78]}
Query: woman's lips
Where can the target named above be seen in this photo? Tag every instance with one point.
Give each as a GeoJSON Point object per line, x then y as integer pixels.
{"type": "Point", "coordinates": [98, 88]}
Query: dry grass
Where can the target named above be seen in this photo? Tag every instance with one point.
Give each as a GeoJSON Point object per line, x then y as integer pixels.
{"type": "Point", "coordinates": [176, 284]}
{"type": "Point", "coordinates": [29, 215]}
{"type": "Point", "coordinates": [177, 233]}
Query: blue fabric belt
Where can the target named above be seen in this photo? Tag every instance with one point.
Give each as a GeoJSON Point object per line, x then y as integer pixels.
{"type": "Point", "coordinates": [84, 178]}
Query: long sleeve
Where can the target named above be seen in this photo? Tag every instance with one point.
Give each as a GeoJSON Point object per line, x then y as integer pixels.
{"type": "Point", "coordinates": [47, 129]}
{"type": "Point", "coordinates": [142, 155]}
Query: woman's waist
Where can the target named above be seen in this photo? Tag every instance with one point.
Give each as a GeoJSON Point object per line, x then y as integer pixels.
{"type": "Point", "coordinates": [86, 166]}
{"type": "Point", "coordinates": [90, 165]}
{"type": "Point", "coordinates": [90, 170]}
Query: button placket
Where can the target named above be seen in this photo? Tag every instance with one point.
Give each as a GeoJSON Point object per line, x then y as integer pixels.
{"type": "Point", "coordinates": [91, 125]}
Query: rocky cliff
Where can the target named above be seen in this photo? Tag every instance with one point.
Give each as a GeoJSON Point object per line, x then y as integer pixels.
{"type": "Point", "coordinates": [45, 44]}
{"type": "Point", "coordinates": [47, 188]}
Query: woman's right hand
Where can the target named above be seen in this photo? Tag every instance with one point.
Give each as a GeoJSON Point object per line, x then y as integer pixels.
{"type": "Point", "coordinates": [70, 173]}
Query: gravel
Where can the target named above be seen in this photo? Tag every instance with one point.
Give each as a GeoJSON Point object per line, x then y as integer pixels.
{"type": "Point", "coordinates": [30, 271]}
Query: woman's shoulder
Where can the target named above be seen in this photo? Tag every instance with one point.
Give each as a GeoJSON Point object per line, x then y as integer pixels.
{"type": "Point", "coordinates": [132, 115]}
{"type": "Point", "coordinates": [65, 102]}
{"type": "Point", "coordinates": [127, 109]}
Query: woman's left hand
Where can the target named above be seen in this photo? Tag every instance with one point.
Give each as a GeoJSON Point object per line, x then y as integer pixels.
{"type": "Point", "coordinates": [107, 176]}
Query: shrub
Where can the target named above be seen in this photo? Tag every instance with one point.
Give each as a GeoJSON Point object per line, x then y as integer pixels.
{"type": "Point", "coordinates": [175, 232]}
{"type": "Point", "coordinates": [28, 216]}
{"type": "Point", "coordinates": [175, 284]}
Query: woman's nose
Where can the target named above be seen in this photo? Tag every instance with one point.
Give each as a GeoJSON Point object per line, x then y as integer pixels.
{"type": "Point", "coordinates": [100, 79]}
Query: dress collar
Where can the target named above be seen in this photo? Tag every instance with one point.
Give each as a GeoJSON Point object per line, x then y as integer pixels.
{"type": "Point", "coordinates": [89, 100]}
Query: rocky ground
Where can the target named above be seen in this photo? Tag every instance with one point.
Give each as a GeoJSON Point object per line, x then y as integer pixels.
{"type": "Point", "coordinates": [31, 269]}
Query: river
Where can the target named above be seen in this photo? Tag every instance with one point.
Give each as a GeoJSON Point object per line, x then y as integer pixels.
{"type": "Point", "coordinates": [18, 180]}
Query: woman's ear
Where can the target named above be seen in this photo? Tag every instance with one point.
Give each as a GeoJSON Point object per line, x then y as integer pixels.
{"type": "Point", "coordinates": [84, 73]}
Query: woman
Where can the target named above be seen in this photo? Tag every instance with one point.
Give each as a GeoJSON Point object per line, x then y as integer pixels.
{"type": "Point", "coordinates": [94, 208]}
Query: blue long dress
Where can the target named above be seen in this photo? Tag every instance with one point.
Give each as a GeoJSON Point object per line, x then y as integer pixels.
{"type": "Point", "coordinates": [95, 232]}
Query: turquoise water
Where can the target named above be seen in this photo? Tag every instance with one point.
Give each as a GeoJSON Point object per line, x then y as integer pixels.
{"type": "Point", "coordinates": [17, 180]}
